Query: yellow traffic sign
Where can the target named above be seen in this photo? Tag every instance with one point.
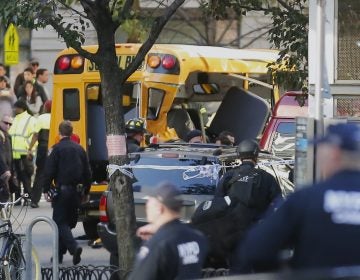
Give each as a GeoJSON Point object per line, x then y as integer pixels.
{"type": "Point", "coordinates": [11, 45]}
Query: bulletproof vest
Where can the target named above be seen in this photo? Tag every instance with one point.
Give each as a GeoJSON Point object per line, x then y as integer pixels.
{"type": "Point", "coordinates": [244, 187]}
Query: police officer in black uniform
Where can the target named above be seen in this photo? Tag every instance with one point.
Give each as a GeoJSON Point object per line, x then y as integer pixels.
{"type": "Point", "coordinates": [173, 250]}
{"type": "Point", "coordinates": [320, 222]}
{"type": "Point", "coordinates": [68, 166]}
{"type": "Point", "coordinates": [135, 130]}
{"type": "Point", "coordinates": [234, 182]}
{"type": "Point", "coordinates": [252, 190]}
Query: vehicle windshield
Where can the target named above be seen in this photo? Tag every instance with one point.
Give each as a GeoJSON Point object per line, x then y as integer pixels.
{"type": "Point", "coordinates": [200, 177]}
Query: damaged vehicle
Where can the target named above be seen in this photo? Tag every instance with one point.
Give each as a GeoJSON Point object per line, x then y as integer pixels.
{"type": "Point", "coordinates": [194, 168]}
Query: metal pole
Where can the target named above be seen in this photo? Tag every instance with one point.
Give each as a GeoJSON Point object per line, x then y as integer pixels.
{"type": "Point", "coordinates": [319, 82]}
{"type": "Point", "coordinates": [28, 247]}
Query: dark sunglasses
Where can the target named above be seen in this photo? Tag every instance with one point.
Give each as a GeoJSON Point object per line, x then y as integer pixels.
{"type": "Point", "coordinates": [35, 64]}
{"type": "Point", "coordinates": [10, 124]}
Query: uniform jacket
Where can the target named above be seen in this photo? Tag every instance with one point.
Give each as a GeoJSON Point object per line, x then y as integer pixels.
{"type": "Point", "coordinates": [268, 191]}
{"type": "Point", "coordinates": [174, 252]}
{"type": "Point", "coordinates": [321, 223]}
{"type": "Point", "coordinates": [67, 164]}
{"type": "Point", "coordinates": [21, 132]}
{"type": "Point", "coordinates": [132, 145]}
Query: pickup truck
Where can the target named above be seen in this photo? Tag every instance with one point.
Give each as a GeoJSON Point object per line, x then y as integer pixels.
{"type": "Point", "coordinates": [279, 134]}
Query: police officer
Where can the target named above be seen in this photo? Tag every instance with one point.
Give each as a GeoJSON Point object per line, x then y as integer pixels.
{"type": "Point", "coordinates": [173, 250]}
{"type": "Point", "coordinates": [249, 183]}
{"type": "Point", "coordinates": [321, 222]}
{"type": "Point", "coordinates": [68, 166]}
{"type": "Point", "coordinates": [135, 130]}
{"type": "Point", "coordinates": [251, 190]}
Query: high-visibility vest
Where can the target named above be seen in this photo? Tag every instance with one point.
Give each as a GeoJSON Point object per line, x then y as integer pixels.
{"type": "Point", "coordinates": [21, 132]}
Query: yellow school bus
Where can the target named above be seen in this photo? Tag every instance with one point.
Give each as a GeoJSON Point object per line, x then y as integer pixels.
{"type": "Point", "coordinates": [173, 81]}
{"type": "Point", "coordinates": [195, 78]}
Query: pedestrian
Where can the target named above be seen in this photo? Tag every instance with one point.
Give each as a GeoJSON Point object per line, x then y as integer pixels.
{"type": "Point", "coordinates": [21, 132]}
{"type": "Point", "coordinates": [27, 75]}
{"type": "Point", "coordinates": [41, 136]}
{"type": "Point", "coordinates": [225, 138]}
{"type": "Point", "coordinates": [42, 77]}
{"type": "Point", "coordinates": [135, 131]}
{"type": "Point", "coordinates": [20, 78]}
{"type": "Point", "coordinates": [320, 222]}
{"type": "Point", "coordinates": [69, 168]}
{"type": "Point", "coordinates": [5, 156]}
{"type": "Point", "coordinates": [5, 89]}
{"type": "Point", "coordinates": [195, 136]}
{"type": "Point", "coordinates": [3, 72]}
{"type": "Point", "coordinates": [251, 188]}
{"type": "Point", "coordinates": [172, 250]}
{"type": "Point", "coordinates": [32, 99]}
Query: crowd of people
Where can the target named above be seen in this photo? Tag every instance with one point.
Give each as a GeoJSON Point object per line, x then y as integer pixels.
{"type": "Point", "coordinates": [24, 116]}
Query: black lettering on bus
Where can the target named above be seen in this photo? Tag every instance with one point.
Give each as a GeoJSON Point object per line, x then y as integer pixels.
{"type": "Point", "coordinates": [129, 59]}
{"type": "Point", "coordinates": [92, 66]}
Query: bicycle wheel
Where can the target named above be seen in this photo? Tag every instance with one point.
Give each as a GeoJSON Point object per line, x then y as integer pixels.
{"type": "Point", "coordinates": [14, 269]}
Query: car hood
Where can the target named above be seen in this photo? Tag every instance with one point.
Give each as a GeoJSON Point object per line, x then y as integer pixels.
{"type": "Point", "coordinates": [241, 112]}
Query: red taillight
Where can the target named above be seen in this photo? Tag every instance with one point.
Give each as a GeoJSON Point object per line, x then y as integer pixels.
{"type": "Point", "coordinates": [102, 209]}
{"type": "Point", "coordinates": [64, 63]}
{"type": "Point", "coordinates": [168, 62]}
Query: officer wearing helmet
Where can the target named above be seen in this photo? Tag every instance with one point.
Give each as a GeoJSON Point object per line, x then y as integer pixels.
{"type": "Point", "coordinates": [135, 130]}
{"type": "Point", "coordinates": [253, 186]}
{"type": "Point", "coordinates": [252, 189]}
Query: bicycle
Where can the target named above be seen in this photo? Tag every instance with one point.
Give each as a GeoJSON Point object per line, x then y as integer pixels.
{"type": "Point", "coordinates": [12, 260]}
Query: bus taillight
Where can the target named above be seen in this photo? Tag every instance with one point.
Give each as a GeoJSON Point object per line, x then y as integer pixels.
{"type": "Point", "coordinates": [154, 61]}
{"type": "Point", "coordinates": [168, 62]}
{"type": "Point", "coordinates": [63, 63]}
{"type": "Point", "coordinates": [77, 62]}
{"type": "Point", "coordinates": [69, 64]}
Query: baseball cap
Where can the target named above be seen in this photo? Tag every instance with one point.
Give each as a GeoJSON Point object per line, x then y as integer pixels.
{"type": "Point", "coordinates": [193, 133]}
{"type": "Point", "coordinates": [344, 135]}
{"type": "Point", "coordinates": [168, 194]}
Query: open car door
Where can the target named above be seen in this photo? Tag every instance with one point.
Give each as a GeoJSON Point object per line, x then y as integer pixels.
{"type": "Point", "coordinates": [241, 113]}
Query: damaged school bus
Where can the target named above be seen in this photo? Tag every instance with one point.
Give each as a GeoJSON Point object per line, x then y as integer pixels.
{"type": "Point", "coordinates": [176, 89]}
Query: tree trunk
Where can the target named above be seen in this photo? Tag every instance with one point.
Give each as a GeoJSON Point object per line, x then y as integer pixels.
{"type": "Point", "coordinates": [111, 81]}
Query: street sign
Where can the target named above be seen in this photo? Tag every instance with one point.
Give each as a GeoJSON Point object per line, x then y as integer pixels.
{"type": "Point", "coordinates": [11, 46]}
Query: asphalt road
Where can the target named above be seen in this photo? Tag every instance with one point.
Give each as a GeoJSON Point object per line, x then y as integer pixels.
{"type": "Point", "coordinates": [42, 237]}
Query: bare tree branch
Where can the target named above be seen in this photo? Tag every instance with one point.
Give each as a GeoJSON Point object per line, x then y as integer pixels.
{"type": "Point", "coordinates": [177, 31]}
{"type": "Point", "coordinates": [254, 39]}
{"type": "Point", "coordinates": [189, 22]}
{"type": "Point", "coordinates": [230, 22]}
{"type": "Point", "coordinates": [284, 4]}
{"type": "Point", "coordinates": [127, 7]}
{"type": "Point", "coordinates": [156, 28]}
{"type": "Point", "coordinates": [77, 46]}
{"type": "Point", "coordinates": [71, 9]}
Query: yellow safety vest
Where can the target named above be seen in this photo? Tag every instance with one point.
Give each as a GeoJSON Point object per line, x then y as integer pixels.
{"type": "Point", "coordinates": [21, 132]}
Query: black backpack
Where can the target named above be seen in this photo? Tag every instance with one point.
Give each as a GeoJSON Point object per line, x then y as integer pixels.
{"type": "Point", "coordinates": [224, 220]}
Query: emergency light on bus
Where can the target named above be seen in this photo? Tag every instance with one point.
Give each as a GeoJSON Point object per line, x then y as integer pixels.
{"type": "Point", "coordinates": [69, 64]}
{"type": "Point", "coordinates": [163, 63]}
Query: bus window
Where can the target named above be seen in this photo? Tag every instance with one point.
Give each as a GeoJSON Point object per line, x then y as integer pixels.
{"type": "Point", "coordinates": [155, 100]}
{"type": "Point", "coordinates": [71, 101]}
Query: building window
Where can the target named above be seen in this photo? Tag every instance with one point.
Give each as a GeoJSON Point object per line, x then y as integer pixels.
{"type": "Point", "coordinates": [348, 29]}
